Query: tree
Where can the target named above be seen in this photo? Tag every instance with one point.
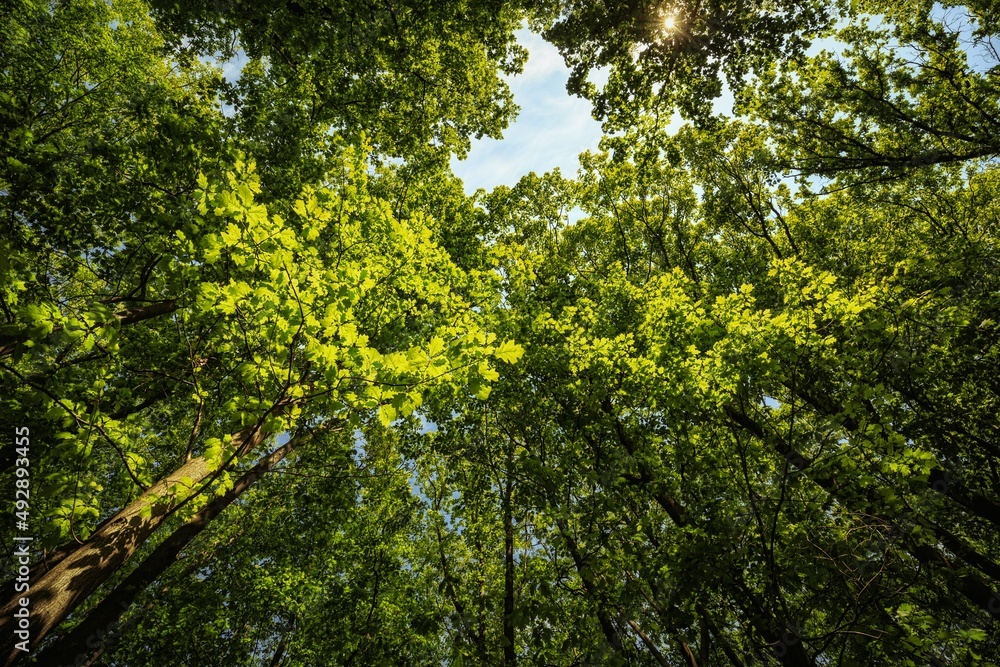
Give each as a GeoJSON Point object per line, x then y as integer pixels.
{"type": "Point", "coordinates": [308, 566]}
{"type": "Point", "coordinates": [665, 56]}
{"type": "Point", "coordinates": [749, 418]}
{"type": "Point", "coordinates": [910, 92]}
{"type": "Point", "coordinates": [248, 329]}
{"type": "Point", "coordinates": [693, 353]}
{"type": "Point", "coordinates": [419, 80]}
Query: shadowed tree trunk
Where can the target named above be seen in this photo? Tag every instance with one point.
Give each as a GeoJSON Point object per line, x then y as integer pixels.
{"type": "Point", "coordinates": [590, 586]}
{"type": "Point", "coordinates": [509, 647]}
{"type": "Point", "coordinates": [103, 618]}
{"type": "Point", "coordinates": [67, 583]}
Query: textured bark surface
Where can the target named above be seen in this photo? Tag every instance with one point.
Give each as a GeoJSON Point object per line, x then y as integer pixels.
{"type": "Point", "coordinates": [104, 617]}
{"type": "Point", "coordinates": [66, 584]}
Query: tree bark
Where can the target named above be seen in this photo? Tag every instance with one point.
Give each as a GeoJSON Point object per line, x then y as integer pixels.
{"type": "Point", "coordinates": [655, 652]}
{"type": "Point", "coordinates": [66, 584]}
{"type": "Point", "coordinates": [104, 617]}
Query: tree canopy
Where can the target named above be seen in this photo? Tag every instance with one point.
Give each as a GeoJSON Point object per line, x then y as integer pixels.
{"type": "Point", "coordinates": [728, 395]}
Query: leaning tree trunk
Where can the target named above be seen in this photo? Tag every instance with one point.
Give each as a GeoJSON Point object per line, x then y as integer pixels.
{"type": "Point", "coordinates": [590, 587]}
{"type": "Point", "coordinates": [67, 583]}
{"type": "Point", "coordinates": [102, 621]}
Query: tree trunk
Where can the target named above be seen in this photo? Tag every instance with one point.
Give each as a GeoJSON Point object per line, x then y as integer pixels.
{"type": "Point", "coordinates": [104, 617]}
{"type": "Point", "coordinates": [509, 647]}
{"type": "Point", "coordinates": [55, 594]}
{"type": "Point", "coordinates": [655, 652]}
{"type": "Point", "coordinates": [720, 639]}
{"type": "Point", "coordinates": [279, 652]}
{"type": "Point", "coordinates": [590, 586]}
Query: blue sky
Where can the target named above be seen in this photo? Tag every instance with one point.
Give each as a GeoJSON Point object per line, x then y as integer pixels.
{"type": "Point", "coordinates": [551, 130]}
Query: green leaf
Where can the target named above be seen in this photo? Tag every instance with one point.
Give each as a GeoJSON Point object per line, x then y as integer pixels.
{"type": "Point", "coordinates": [436, 346]}
{"type": "Point", "coordinates": [386, 415]}
{"type": "Point", "coordinates": [508, 351]}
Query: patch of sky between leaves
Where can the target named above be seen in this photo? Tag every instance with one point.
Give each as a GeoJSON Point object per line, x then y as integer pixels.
{"type": "Point", "coordinates": [551, 129]}
{"type": "Point", "coordinates": [231, 68]}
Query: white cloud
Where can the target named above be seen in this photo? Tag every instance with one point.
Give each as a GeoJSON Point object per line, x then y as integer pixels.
{"type": "Point", "coordinates": [544, 59]}
{"type": "Point", "coordinates": [231, 69]}
{"type": "Point", "coordinates": [551, 130]}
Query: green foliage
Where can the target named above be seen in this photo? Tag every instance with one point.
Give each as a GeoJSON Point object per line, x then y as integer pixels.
{"type": "Point", "coordinates": [676, 55]}
{"type": "Point", "coordinates": [742, 410]}
{"type": "Point", "coordinates": [898, 96]}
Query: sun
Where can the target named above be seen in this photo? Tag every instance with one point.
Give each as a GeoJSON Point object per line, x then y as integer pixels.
{"type": "Point", "coordinates": [669, 23]}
